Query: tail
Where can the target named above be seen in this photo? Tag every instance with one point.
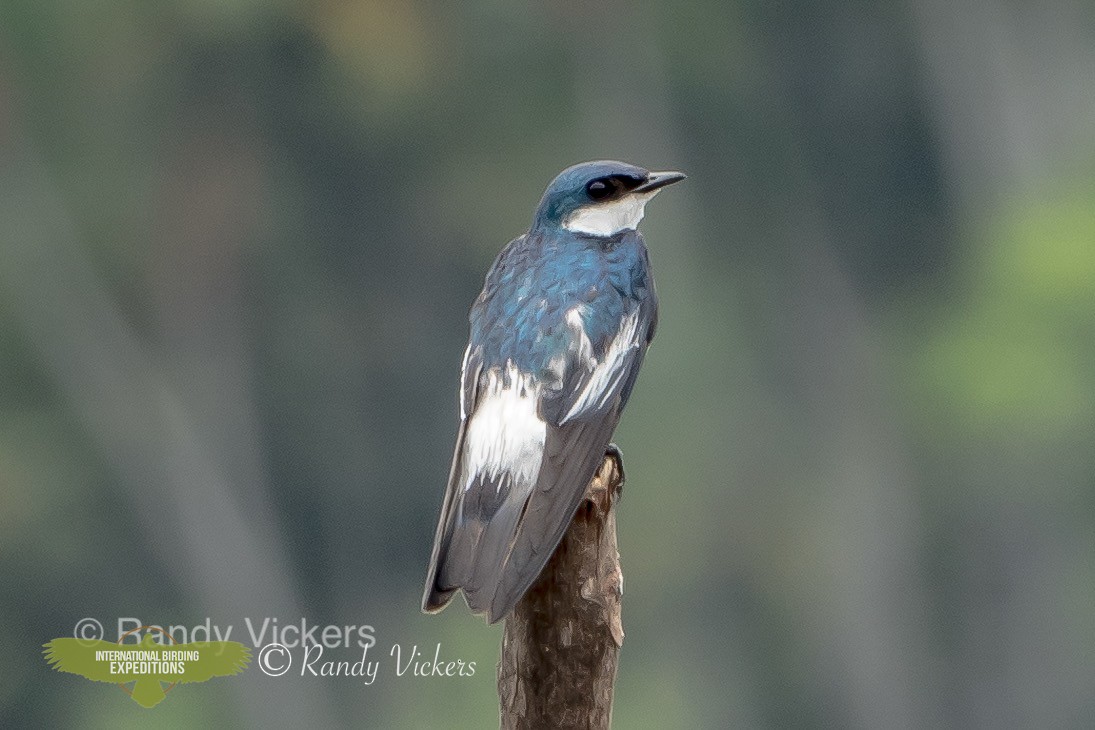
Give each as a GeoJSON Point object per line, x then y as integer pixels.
{"type": "Point", "coordinates": [471, 555]}
{"type": "Point", "coordinates": [452, 566]}
{"type": "Point", "coordinates": [434, 599]}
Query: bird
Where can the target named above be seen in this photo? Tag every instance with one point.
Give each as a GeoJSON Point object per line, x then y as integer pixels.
{"type": "Point", "coordinates": [557, 336]}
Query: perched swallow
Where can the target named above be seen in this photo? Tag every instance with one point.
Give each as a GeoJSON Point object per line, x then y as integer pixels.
{"type": "Point", "coordinates": [557, 337]}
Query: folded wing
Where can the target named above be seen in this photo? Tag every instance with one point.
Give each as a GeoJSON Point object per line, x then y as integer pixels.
{"type": "Point", "coordinates": [525, 453]}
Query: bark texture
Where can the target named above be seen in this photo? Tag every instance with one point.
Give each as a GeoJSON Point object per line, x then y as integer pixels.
{"type": "Point", "coordinates": [561, 644]}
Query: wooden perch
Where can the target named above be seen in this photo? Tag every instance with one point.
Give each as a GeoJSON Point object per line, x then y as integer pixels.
{"type": "Point", "coordinates": [561, 643]}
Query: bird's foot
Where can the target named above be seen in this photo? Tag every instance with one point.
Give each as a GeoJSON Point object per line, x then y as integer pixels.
{"type": "Point", "coordinates": [613, 451]}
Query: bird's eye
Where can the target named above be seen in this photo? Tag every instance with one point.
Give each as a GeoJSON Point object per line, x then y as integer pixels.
{"type": "Point", "coordinates": [600, 189]}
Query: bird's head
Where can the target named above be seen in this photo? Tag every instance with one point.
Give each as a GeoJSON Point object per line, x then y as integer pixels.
{"type": "Point", "coordinates": [600, 198]}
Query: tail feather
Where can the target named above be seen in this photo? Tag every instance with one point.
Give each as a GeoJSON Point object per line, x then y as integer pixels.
{"type": "Point", "coordinates": [470, 558]}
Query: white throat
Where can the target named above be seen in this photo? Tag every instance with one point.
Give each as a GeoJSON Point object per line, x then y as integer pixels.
{"type": "Point", "coordinates": [608, 219]}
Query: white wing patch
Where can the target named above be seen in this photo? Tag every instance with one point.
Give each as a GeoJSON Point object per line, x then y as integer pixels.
{"type": "Point", "coordinates": [505, 434]}
{"type": "Point", "coordinates": [579, 348]}
{"type": "Point", "coordinates": [607, 375]}
{"type": "Point", "coordinates": [608, 219]}
{"type": "Point", "coordinates": [582, 345]}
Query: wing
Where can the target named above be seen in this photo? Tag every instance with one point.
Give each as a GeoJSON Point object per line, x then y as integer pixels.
{"type": "Point", "coordinates": [77, 656]}
{"type": "Point", "coordinates": [581, 419]}
{"type": "Point", "coordinates": [215, 659]}
{"type": "Point", "coordinates": [525, 454]}
{"type": "Point", "coordinates": [572, 454]}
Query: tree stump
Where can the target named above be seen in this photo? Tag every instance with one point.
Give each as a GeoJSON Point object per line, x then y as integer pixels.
{"type": "Point", "coordinates": [561, 644]}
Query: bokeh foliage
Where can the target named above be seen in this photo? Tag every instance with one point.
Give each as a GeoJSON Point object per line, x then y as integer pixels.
{"type": "Point", "coordinates": [238, 241]}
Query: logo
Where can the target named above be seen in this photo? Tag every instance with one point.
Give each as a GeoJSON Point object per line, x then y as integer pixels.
{"type": "Point", "coordinates": [148, 662]}
{"type": "Point", "coordinates": [147, 666]}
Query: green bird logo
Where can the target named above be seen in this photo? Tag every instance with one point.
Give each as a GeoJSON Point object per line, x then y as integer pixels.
{"type": "Point", "coordinates": [148, 665]}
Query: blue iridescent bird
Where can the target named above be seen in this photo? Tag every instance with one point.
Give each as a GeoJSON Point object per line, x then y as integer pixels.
{"type": "Point", "coordinates": [557, 337]}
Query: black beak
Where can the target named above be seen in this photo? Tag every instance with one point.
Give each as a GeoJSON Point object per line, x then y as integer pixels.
{"type": "Point", "coordinates": [658, 180]}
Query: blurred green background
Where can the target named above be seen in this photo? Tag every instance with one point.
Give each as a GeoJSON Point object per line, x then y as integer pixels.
{"type": "Point", "coordinates": [239, 239]}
